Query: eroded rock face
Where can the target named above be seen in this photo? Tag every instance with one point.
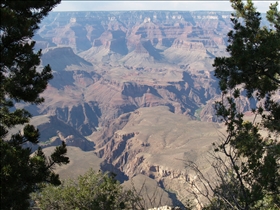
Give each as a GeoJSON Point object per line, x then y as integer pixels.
{"type": "Point", "coordinates": [53, 131]}
{"type": "Point", "coordinates": [81, 29]}
{"type": "Point", "coordinates": [60, 58]}
{"type": "Point", "coordinates": [121, 61]}
{"type": "Point", "coordinates": [86, 101]}
{"type": "Point", "coordinates": [156, 143]}
{"type": "Point", "coordinates": [83, 117]}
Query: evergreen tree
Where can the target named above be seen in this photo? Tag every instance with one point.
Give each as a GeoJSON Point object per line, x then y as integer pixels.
{"type": "Point", "coordinates": [251, 179]}
{"type": "Point", "coordinates": [20, 81]}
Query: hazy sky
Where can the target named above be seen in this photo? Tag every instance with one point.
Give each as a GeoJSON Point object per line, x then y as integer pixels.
{"type": "Point", "coordinates": [152, 5]}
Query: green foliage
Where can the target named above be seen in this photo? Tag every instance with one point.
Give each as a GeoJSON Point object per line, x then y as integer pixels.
{"type": "Point", "coordinates": [21, 173]}
{"type": "Point", "coordinates": [252, 178]}
{"type": "Point", "coordinates": [93, 191]}
{"type": "Point", "coordinates": [20, 81]}
{"type": "Point", "coordinates": [254, 59]}
{"type": "Point", "coordinates": [254, 52]}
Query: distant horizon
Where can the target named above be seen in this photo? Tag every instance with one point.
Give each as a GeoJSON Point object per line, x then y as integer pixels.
{"type": "Point", "coordinates": [94, 6]}
{"type": "Point", "coordinates": [140, 10]}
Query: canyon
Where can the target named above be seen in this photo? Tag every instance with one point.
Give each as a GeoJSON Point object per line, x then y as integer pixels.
{"type": "Point", "coordinates": [133, 93]}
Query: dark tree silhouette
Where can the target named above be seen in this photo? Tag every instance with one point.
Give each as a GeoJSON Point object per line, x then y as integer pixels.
{"type": "Point", "coordinates": [20, 81]}
{"type": "Point", "coordinates": [253, 67]}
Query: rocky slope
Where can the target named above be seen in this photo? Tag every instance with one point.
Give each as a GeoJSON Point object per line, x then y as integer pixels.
{"type": "Point", "coordinates": [157, 143]}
